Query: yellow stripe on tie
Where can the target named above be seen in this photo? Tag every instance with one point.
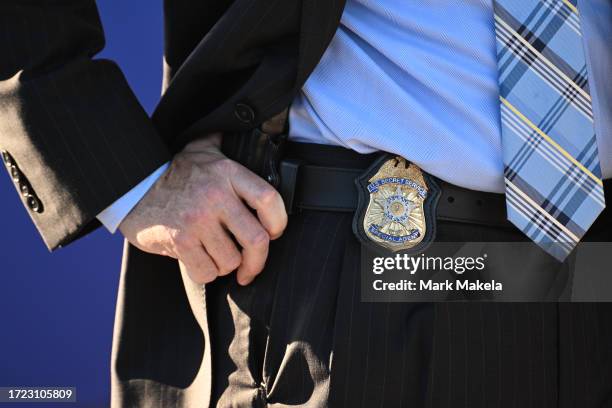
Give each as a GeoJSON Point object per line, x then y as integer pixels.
{"type": "Point", "coordinates": [571, 6]}
{"type": "Point", "coordinates": [550, 140]}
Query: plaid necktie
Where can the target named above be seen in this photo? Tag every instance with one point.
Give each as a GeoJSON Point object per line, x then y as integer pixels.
{"type": "Point", "coordinates": [554, 187]}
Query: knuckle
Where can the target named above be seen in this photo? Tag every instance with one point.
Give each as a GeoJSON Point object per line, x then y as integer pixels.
{"type": "Point", "coordinates": [188, 216]}
{"type": "Point", "coordinates": [206, 216]}
{"type": "Point", "coordinates": [215, 194]}
{"type": "Point", "coordinates": [251, 271]}
{"type": "Point", "coordinates": [202, 277]}
{"type": "Point", "coordinates": [182, 240]}
{"type": "Point", "coordinates": [226, 166]}
{"type": "Point", "coordinates": [268, 196]}
{"type": "Point", "coordinates": [232, 262]}
{"type": "Point", "coordinates": [277, 230]}
{"type": "Point", "coordinates": [259, 238]}
{"type": "Point", "coordinates": [228, 261]}
{"type": "Point", "coordinates": [281, 226]}
{"type": "Point", "coordinates": [284, 224]}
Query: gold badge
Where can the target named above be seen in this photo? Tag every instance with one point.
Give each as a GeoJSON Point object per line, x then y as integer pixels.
{"type": "Point", "coordinates": [399, 201]}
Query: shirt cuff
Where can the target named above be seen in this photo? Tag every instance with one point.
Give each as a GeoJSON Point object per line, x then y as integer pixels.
{"type": "Point", "coordinates": [112, 216]}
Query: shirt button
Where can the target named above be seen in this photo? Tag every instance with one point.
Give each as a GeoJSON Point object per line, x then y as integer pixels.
{"type": "Point", "coordinates": [244, 113]}
{"type": "Point", "coordinates": [34, 204]}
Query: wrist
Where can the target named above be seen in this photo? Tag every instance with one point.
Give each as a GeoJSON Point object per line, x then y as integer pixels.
{"type": "Point", "coordinates": [211, 142]}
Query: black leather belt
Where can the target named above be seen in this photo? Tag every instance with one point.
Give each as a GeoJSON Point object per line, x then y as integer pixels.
{"type": "Point", "coordinates": [309, 187]}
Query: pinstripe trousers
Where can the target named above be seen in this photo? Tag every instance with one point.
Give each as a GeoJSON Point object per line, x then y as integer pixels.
{"type": "Point", "coordinates": [300, 336]}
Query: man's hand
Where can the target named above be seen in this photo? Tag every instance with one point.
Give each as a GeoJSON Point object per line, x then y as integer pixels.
{"type": "Point", "coordinates": [199, 209]}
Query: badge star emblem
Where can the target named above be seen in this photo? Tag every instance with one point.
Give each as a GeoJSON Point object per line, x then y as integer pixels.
{"type": "Point", "coordinates": [396, 208]}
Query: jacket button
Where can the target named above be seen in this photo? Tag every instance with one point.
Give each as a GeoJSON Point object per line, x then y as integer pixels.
{"type": "Point", "coordinates": [244, 113]}
{"type": "Point", "coordinates": [34, 204]}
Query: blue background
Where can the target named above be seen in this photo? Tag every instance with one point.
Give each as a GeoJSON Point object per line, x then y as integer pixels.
{"type": "Point", "coordinates": [57, 310]}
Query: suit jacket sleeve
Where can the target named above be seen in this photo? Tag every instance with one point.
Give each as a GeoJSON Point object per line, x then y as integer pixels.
{"type": "Point", "coordinates": [72, 134]}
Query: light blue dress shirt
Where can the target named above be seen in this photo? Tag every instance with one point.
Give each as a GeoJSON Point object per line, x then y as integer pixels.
{"type": "Point", "coordinates": [419, 79]}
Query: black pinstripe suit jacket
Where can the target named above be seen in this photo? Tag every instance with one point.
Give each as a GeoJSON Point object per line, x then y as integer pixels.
{"type": "Point", "coordinates": [74, 139]}
{"type": "Point", "coordinates": [73, 135]}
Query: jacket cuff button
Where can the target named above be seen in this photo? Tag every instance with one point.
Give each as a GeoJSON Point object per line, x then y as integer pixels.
{"type": "Point", "coordinates": [34, 204]}
{"type": "Point", "coordinates": [6, 158]}
{"type": "Point", "coordinates": [15, 174]}
{"type": "Point", "coordinates": [25, 190]}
